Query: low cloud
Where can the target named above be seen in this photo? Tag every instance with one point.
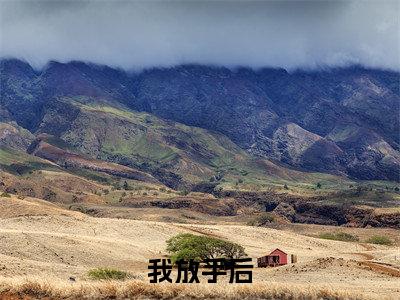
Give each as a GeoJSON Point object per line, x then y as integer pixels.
{"type": "Point", "coordinates": [133, 34]}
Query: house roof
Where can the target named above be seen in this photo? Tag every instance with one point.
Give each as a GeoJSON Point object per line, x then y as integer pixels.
{"type": "Point", "coordinates": [277, 249]}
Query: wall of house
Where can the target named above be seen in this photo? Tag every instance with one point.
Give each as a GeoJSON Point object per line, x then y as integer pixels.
{"type": "Point", "coordinates": [282, 256]}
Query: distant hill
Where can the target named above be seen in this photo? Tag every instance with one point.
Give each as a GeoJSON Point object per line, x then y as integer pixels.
{"type": "Point", "coordinates": [191, 122]}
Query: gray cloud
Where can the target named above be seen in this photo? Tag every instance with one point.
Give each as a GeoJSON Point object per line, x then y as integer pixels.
{"type": "Point", "coordinates": [133, 34]}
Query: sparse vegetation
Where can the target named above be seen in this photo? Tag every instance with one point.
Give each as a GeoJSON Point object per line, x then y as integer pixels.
{"type": "Point", "coordinates": [126, 186]}
{"type": "Point", "coordinates": [79, 208]}
{"type": "Point", "coordinates": [244, 172]}
{"type": "Point", "coordinates": [189, 246]}
{"type": "Point", "coordinates": [107, 274]}
{"type": "Point", "coordinates": [218, 191]}
{"type": "Point", "coordinates": [147, 120]}
{"type": "Point", "coordinates": [5, 194]}
{"type": "Point", "coordinates": [261, 220]}
{"type": "Point", "coordinates": [184, 192]}
{"type": "Point", "coordinates": [380, 240]}
{"type": "Point", "coordinates": [339, 236]}
{"type": "Point", "coordinates": [91, 175]}
{"type": "Point", "coordinates": [100, 233]}
{"type": "Point", "coordinates": [135, 289]}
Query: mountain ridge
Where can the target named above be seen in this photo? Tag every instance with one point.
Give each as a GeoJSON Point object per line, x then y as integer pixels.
{"type": "Point", "coordinates": [340, 121]}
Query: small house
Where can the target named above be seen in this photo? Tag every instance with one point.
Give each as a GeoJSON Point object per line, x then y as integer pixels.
{"type": "Point", "coordinates": [274, 259]}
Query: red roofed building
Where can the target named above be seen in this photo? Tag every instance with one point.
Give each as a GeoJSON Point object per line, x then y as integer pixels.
{"type": "Point", "coordinates": [274, 259]}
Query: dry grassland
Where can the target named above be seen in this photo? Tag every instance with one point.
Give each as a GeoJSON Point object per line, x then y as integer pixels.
{"type": "Point", "coordinates": [54, 244]}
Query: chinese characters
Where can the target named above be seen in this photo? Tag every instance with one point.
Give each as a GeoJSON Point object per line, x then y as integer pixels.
{"type": "Point", "coordinates": [188, 271]}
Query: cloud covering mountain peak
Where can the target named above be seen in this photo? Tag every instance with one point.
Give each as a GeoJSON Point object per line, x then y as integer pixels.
{"type": "Point", "coordinates": [134, 34]}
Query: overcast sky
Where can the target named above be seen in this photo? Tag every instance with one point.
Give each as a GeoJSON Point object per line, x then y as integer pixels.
{"type": "Point", "coordinates": [133, 34]}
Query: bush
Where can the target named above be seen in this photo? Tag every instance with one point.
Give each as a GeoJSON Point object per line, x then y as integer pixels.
{"type": "Point", "coordinates": [189, 246]}
{"type": "Point", "coordinates": [184, 192]}
{"type": "Point", "coordinates": [5, 194]}
{"type": "Point", "coordinates": [244, 172]}
{"type": "Point", "coordinates": [217, 192]}
{"type": "Point", "coordinates": [125, 186]}
{"type": "Point", "coordinates": [107, 274]}
{"type": "Point", "coordinates": [262, 219]}
{"type": "Point", "coordinates": [339, 236]}
{"type": "Point", "coordinates": [219, 176]}
{"type": "Point", "coordinates": [380, 240]}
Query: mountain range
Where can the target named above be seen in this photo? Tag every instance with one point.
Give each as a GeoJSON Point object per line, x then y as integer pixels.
{"type": "Point", "coordinates": [189, 123]}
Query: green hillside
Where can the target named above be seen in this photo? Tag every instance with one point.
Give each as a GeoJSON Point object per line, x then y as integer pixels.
{"type": "Point", "coordinates": [176, 154]}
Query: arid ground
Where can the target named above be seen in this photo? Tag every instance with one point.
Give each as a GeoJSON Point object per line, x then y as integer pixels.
{"type": "Point", "coordinates": [40, 241]}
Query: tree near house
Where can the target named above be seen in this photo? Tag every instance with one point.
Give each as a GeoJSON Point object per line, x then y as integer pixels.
{"type": "Point", "coordinates": [189, 246]}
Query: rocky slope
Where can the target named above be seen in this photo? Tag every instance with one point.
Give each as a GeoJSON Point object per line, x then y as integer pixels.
{"type": "Point", "coordinates": [342, 121]}
{"type": "Point", "coordinates": [94, 135]}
